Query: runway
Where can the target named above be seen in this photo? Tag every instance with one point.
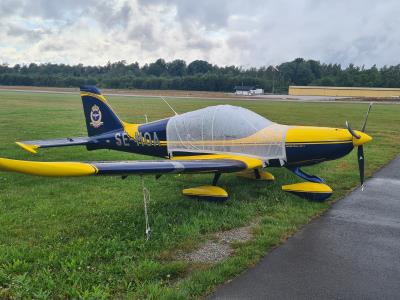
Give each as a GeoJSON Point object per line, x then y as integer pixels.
{"type": "Point", "coordinates": [223, 97]}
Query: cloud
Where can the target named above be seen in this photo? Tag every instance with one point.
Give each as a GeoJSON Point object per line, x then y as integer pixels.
{"type": "Point", "coordinates": [225, 32]}
{"type": "Point", "coordinates": [29, 35]}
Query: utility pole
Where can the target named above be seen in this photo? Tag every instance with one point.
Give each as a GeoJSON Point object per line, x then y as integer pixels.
{"type": "Point", "coordinates": [274, 69]}
{"type": "Point", "coordinates": [273, 83]}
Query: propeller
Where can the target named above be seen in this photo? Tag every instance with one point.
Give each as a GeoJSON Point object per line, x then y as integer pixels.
{"type": "Point", "coordinates": [359, 143]}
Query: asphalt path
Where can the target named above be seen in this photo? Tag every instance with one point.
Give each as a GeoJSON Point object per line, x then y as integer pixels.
{"type": "Point", "coordinates": [351, 252]}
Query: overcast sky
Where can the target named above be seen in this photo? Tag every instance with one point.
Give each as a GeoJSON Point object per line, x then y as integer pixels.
{"type": "Point", "coordinates": [224, 32]}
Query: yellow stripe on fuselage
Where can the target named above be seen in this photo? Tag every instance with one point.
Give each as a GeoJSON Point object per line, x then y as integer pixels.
{"type": "Point", "coordinates": [296, 135]}
{"type": "Point", "coordinates": [317, 135]}
{"type": "Point", "coordinates": [131, 129]}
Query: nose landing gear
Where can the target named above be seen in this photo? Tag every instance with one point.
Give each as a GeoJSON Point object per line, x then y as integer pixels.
{"type": "Point", "coordinates": [315, 189]}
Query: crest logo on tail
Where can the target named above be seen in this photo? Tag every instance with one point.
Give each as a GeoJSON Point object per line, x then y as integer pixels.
{"type": "Point", "coordinates": [95, 117]}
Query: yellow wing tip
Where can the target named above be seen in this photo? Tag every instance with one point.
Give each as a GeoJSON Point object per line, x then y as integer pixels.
{"type": "Point", "coordinates": [29, 148]}
{"type": "Point", "coordinates": [49, 169]}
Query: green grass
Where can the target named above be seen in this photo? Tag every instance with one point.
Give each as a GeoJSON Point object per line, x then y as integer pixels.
{"type": "Point", "coordinates": [84, 237]}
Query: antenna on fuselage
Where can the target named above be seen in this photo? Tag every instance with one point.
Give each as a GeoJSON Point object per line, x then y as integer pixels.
{"type": "Point", "coordinates": [146, 118]}
{"type": "Point", "coordinates": [169, 105]}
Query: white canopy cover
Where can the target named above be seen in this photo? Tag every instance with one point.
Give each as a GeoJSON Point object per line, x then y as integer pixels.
{"type": "Point", "coordinates": [226, 129]}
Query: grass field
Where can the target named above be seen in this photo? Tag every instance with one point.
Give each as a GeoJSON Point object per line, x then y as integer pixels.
{"type": "Point", "coordinates": [84, 237]}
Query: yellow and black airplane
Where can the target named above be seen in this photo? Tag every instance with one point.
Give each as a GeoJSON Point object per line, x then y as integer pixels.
{"type": "Point", "coordinates": [217, 139]}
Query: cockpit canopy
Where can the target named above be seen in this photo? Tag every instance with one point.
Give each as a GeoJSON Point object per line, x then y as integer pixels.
{"type": "Point", "coordinates": [226, 129]}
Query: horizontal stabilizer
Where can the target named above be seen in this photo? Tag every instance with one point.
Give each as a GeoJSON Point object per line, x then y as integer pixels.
{"type": "Point", "coordinates": [32, 146]}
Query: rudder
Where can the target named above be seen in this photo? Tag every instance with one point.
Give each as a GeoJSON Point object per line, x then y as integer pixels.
{"type": "Point", "coordinates": [99, 116]}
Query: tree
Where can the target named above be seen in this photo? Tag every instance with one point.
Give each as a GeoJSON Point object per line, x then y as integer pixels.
{"type": "Point", "coordinates": [157, 68]}
{"type": "Point", "coordinates": [199, 67]}
{"type": "Point", "coordinates": [198, 75]}
{"type": "Point", "coordinates": [176, 67]}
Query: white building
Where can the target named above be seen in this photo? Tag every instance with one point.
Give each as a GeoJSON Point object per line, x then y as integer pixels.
{"type": "Point", "coordinates": [247, 90]}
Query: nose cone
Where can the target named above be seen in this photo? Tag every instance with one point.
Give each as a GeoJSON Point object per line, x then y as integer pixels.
{"type": "Point", "coordinates": [364, 138]}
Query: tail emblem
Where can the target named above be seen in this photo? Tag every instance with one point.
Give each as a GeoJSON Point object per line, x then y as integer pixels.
{"type": "Point", "coordinates": [95, 117]}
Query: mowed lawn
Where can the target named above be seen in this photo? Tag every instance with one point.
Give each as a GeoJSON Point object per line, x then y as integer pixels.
{"type": "Point", "coordinates": [84, 237]}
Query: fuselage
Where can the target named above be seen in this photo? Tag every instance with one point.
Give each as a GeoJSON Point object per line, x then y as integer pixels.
{"type": "Point", "coordinates": [304, 145]}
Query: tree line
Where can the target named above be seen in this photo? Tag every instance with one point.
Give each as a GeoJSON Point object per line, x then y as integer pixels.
{"type": "Point", "coordinates": [199, 75]}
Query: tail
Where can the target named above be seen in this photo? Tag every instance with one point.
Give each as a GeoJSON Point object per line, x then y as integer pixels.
{"type": "Point", "coordinates": [100, 118]}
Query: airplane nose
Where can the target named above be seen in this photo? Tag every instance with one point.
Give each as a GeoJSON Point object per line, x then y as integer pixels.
{"type": "Point", "coordinates": [364, 138]}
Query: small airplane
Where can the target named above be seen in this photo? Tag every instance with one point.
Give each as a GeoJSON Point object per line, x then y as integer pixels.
{"type": "Point", "coordinates": [216, 139]}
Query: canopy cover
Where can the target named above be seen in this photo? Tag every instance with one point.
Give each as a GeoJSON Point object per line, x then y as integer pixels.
{"type": "Point", "coordinates": [226, 129]}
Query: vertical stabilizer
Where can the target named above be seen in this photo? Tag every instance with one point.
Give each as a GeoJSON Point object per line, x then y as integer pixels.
{"type": "Point", "coordinates": [100, 118]}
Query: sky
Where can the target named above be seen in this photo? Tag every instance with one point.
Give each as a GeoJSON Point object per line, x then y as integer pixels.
{"type": "Point", "coordinates": [224, 32]}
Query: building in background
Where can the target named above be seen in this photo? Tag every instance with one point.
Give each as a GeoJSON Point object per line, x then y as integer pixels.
{"type": "Point", "coordinates": [247, 90]}
{"type": "Point", "coordinates": [343, 91]}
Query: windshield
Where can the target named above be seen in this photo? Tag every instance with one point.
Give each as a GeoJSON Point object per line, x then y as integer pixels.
{"type": "Point", "coordinates": [226, 129]}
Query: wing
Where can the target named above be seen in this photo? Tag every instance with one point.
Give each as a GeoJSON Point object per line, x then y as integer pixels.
{"type": "Point", "coordinates": [200, 164]}
{"type": "Point", "coordinates": [32, 146]}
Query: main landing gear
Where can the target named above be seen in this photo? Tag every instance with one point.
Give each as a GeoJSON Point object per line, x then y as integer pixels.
{"type": "Point", "coordinates": [256, 174]}
{"type": "Point", "coordinates": [208, 192]}
{"type": "Point", "coordinates": [216, 193]}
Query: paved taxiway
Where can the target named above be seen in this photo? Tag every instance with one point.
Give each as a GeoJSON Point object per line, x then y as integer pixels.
{"type": "Point", "coordinates": [227, 97]}
{"type": "Point", "coordinates": [351, 252]}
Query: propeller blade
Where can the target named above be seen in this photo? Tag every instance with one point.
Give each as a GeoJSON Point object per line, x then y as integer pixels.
{"type": "Point", "coordinates": [348, 126]}
{"type": "Point", "coordinates": [360, 149]}
{"type": "Point", "coordinates": [366, 118]}
{"type": "Point", "coordinates": [360, 158]}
